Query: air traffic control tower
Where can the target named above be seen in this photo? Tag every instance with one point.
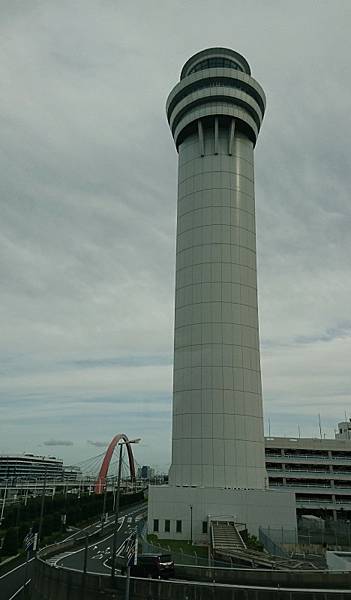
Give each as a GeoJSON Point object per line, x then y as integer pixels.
{"type": "Point", "coordinates": [215, 114]}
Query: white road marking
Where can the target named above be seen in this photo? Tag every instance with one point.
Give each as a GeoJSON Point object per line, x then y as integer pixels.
{"type": "Point", "coordinates": [19, 590]}
{"type": "Point", "coordinates": [117, 554]}
{"type": "Point", "coordinates": [15, 569]}
{"type": "Point", "coordinates": [65, 555]}
{"type": "Point", "coordinates": [54, 559]}
{"type": "Point", "coordinates": [94, 544]}
{"type": "Point", "coordinates": [120, 520]}
{"type": "Point", "coordinates": [97, 525]}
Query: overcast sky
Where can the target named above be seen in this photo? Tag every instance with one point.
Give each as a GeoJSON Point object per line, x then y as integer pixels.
{"type": "Point", "coordinates": [88, 213]}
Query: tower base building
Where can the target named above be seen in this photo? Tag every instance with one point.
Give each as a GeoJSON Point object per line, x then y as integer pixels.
{"type": "Point", "coordinates": [218, 454]}
{"type": "Point", "coordinates": [184, 513]}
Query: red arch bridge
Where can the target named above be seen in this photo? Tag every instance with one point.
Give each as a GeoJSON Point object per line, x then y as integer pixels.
{"type": "Point", "coordinates": [101, 480]}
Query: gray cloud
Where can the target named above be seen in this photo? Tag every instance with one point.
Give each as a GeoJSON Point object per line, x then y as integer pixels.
{"type": "Point", "coordinates": [97, 444]}
{"type": "Point", "coordinates": [88, 201]}
{"type": "Point", "coordinates": [58, 443]}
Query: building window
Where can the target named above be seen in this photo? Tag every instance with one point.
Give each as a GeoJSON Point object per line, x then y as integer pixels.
{"type": "Point", "coordinates": [167, 526]}
{"type": "Point", "coordinates": [204, 526]}
{"type": "Point", "coordinates": [156, 525]}
{"type": "Point", "coordinates": [215, 62]}
{"type": "Point", "coordinates": [179, 527]}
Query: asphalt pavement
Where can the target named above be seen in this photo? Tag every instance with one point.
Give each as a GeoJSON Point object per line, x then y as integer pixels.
{"type": "Point", "coordinates": [99, 552]}
{"type": "Point", "coordinates": [11, 583]}
{"type": "Point", "coordinates": [12, 575]}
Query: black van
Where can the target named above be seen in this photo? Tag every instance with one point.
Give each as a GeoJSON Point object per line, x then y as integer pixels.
{"type": "Point", "coordinates": [157, 566]}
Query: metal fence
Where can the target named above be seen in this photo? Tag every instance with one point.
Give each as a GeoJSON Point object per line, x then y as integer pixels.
{"type": "Point", "coordinates": [331, 534]}
{"type": "Point", "coordinates": [272, 546]}
{"type": "Point", "coordinates": [335, 534]}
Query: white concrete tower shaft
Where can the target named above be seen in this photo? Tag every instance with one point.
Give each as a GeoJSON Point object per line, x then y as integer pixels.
{"type": "Point", "coordinates": [215, 113]}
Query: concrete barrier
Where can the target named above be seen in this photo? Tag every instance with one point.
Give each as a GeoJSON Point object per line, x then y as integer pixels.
{"type": "Point", "coordinates": [56, 583]}
{"type": "Point", "coordinates": [261, 577]}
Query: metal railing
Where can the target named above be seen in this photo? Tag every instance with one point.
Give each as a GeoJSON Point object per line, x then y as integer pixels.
{"type": "Point", "coordinates": [326, 533]}
{"type": "Point", "coordinates": [270, 545]}
{"type": "Point", "coordinates": [287, 457]}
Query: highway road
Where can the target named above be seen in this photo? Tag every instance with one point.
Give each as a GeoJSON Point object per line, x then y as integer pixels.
{"type": "Point", "coordinates": [99, 552]}
{"type": "Point", "coordinates": [12, 575]}
{"type": "Point", "coordinates": [11, 582]}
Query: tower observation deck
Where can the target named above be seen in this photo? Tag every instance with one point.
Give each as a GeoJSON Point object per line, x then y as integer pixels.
{"type": "Point", "coordinates": [215, 114]}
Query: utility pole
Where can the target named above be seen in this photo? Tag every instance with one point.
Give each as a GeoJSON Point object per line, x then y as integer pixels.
{"type": "Point", "coordinates": [114, 546]}
{"type": "Point", "coordinates": [191, 524]}
{"type": "Point", "coordinates": [30, 541]}
{"type": "Point", "coordinates": [3, 503]}
{"type": "Point", "coordinates": [42, 510]}
{"type": "Point", "coordinates": [104, 509]}
{"type": "Point", "coordinates": [132, 558]}
{"type": "Point", "coordinates": [85, 565]}
{"type": "Point", "coordinates": [114, 493]}
{"type": "Point", "coordinates": [64, 514]}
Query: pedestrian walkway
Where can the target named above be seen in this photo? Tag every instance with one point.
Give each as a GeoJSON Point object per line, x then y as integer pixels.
{"type": "Point", "coordinates": [226, 538]}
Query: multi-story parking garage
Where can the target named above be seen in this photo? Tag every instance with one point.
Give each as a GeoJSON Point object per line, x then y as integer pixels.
{"type": "Point", "coordinates": [317, 470]}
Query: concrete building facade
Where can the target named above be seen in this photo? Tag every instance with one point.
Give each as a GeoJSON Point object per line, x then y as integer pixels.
{"type": "Point", "coordinates": [15, 467]}
{"type": "Point", "coordinates": [318, 471]}
{"type": "Point", "coordinates": [215, 114]}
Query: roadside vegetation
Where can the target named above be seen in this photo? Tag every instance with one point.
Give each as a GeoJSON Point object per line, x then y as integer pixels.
{"type": "Point", "coordinates": [179, 546]}
{"type": "Point", "coordinates": [60, 512]}
{"type": "Point", "coordinates": [253, 543]}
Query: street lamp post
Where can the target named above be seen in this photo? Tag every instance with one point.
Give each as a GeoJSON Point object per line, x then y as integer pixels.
{"type": "Point", "coordinates": [42, 506]}
{"type": "Point", "coordinates": [85, 564]}
{"type": "Point", "coordinates": [64, 514]}
{"type": "Point", "coordinates": [115, 532]}
{"type": "Point", "coordinates": [114, 546]}
{"type": "Point", "coordinates": [103, 517]}
{"type": "Point", "coordinates": [191, 524]}
{"type": "Point", "coordinates": [114, 494]}
{"type": "Point", "coordinates": [3, 503]}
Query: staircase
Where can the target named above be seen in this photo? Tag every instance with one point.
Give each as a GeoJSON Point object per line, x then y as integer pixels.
{"type": "Point", "coordinates": [226, 538]}
{"type": "Point", "coordinates": [227, 544]}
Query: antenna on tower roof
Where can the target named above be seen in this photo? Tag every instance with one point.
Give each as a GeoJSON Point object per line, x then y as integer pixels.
{"type": "Point", "coordinates": [320, 426]}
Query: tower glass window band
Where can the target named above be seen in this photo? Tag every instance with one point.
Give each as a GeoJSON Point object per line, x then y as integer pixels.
{"type": "Point", "coordinates": [179, 527]}
{"type": "Point", "coordinates": [167, 525]}
{"type": "Point", "coordinates": [156, 525]}
{"type": "Point", "coordinates": [215, 63]}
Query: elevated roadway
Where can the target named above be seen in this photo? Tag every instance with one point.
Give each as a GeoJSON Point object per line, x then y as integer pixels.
{"type": "Point", "coordinates": [12, 573]}
{"type": "Point", "coordinates": [100, 551]}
